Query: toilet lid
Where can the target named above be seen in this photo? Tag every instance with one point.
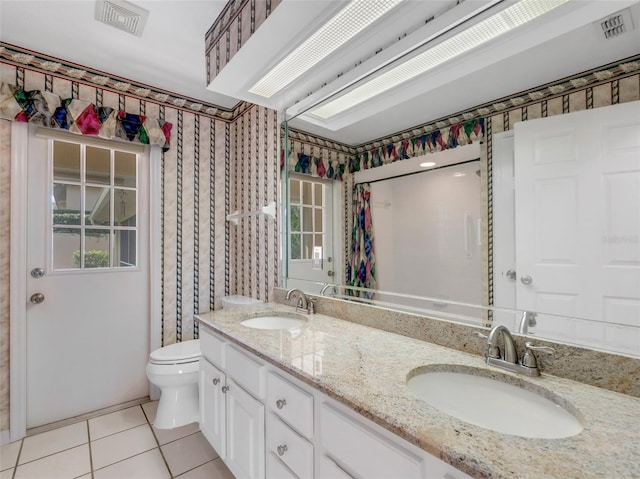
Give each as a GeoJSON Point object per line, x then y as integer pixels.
{"type": "Point", "coordinates": [182, 351]}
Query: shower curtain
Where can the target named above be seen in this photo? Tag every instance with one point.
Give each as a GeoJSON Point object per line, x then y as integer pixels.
{"type": "Point", "coordinates": [361, 270]}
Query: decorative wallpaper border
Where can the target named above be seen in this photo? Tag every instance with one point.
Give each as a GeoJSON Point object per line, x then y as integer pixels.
{"type": "Point", "coordinates": [565, 86]}
{"type": "Point", "coordinates": [54, 66]}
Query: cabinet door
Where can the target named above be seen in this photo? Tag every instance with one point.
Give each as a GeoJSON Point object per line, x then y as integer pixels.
{"type": "Point", "coordinates": [212, 406]}
{"type": "Point", "coordinates": [245, 433]}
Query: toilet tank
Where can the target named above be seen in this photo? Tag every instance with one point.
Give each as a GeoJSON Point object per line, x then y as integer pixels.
{"type": "Point", "coordinates": [238, 301]}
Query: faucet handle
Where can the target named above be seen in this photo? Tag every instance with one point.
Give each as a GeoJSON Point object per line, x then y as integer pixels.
{"type": "Point", "coordinates": [492, 351]}
{"type": "Point", "coordinates": [529, 359]}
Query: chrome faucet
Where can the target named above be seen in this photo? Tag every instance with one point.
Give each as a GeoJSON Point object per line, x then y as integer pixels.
{"type": "Point", "coordinates": [326, 287]}
{"type": "Point", "coordinates": [528, 319]}
{"type": "Point", "coordinates": [303, 302]}
{"type": "Point", "coordinates": [508, 360]}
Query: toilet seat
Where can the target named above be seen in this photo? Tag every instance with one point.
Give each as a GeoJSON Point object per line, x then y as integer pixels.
{"type": "Point", "coordinates": [178, 353]}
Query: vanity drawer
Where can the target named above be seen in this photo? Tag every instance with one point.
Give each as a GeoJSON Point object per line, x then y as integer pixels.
{"type": "Point", "coordinates": [277, 470]}
{"type": "Point", "coordinates": [292, 449]}
{"type": "Point", "coordinates": [245, 370]}
{"type": "Point", "coordinates": [355, 447]}
{"type": "Point", "coordinates": [291, 404]}
{"type": "Point", "coordinates": [212, 347]}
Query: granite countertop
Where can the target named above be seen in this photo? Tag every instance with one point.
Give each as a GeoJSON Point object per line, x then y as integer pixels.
{"type": "Point", "coordinates": [367, 370]}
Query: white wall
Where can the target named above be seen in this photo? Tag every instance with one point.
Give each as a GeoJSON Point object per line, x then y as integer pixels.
{"type": "Point", "coordinates": [422, 245]}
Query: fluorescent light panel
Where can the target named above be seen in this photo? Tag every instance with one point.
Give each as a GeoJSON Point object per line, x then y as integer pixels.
{"type": "Point", "coordinates": [474, 36]}
{"type": "Point", "coordinates": [345, 25]}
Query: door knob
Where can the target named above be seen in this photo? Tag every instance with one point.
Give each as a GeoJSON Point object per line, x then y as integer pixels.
{"type": "Point", "coordinates": [37, 298]}
{"type": "Point", "coordinates": [511, 274]}
{"type": "Point", "coordinates": [526, 279]}
{"type": "Point", "coordinates": [37, 273]}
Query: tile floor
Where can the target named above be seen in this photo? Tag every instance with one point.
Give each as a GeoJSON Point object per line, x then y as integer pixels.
{"type": "Point", "coordinates": [119, 445]}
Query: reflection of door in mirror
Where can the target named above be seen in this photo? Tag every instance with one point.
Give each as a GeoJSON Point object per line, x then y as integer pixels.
{"type": "Point", "coordinates": [576, 226]}
{"type": "Point", "coordinates": [311, 225]}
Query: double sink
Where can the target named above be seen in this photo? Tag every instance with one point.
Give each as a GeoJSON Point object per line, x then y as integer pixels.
{"type": "Point", "coordinates": [502, 403]}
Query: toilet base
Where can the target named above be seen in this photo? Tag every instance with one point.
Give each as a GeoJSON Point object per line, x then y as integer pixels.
{"type": "Point", "coordinates": [177, 407]}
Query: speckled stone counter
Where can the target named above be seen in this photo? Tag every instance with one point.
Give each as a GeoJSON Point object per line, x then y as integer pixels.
{"type": "Point", "coordinates": [367, 370]}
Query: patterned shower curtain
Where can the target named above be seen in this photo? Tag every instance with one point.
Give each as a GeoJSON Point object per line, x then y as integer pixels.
{"type": "Point", "coordinates": [361, 270]}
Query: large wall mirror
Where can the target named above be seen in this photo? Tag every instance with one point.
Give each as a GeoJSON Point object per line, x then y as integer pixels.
{"type": "Point", "coordinates": [533, 223]}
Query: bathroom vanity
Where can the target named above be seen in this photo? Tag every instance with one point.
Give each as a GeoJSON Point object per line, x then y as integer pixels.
{"type": "Point", "coordinates": [328, 398]}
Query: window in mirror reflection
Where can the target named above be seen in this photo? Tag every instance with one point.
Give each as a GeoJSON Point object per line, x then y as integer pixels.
{"type": "Point", "coordinates": [306, 218]}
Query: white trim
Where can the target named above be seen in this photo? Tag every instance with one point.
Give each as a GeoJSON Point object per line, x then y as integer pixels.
{"type": "Point", "coordinates": [18, 285]}
{"type": "Point", "coordinates": [155, 258]}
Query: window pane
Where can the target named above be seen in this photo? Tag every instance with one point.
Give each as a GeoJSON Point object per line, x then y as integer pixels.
{"type": "Point", "coordinates": [306, 193]}
{"type": "Point", "coordinates": [124, 208]}
{"type": "Point", "coordinates": [98, 166]}
{"type": "Point", "coordinates": [66, 204]}
{"type": "Point", "coordinates": [124, 169]}
{"type": "Point", "coordinates": [97, 205]}
{"type": "Point", "coordinates": [318, 220]}
{"type": "Point", "coordinates": [317, 240]}
{"type": "Point", "coordinates": [295, 247]}
{"type": "Point", "coordinates": [66, 248]}
{"type": "Point", "coordinates": [294, 191]}
{"type": "Point", "coordinates": [307, 219]}
{"type": "Point", "coordinates": [295, 219]}
{"type": "Point", "coordinates": [318, 194]}
{"type": "Point", "coordinates": [96, 253]}
{"type": "Point", "coordinates": [125, 249]}
{"type": "Point", "coordinates": [66, 161]}
{"type": "Point", "coordinates": [307, 246]}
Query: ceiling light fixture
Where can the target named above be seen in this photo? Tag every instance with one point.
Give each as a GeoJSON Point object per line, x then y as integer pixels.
{"type": "Point", "coordinates": [472, 37]}
{"type": "Point", "coordinates": [345, 25]}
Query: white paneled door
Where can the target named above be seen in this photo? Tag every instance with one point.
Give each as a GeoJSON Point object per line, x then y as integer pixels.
{"type": "Point", "coordinates": [577, 190]}
{"type": "Point", "coordinates": [87, 276]}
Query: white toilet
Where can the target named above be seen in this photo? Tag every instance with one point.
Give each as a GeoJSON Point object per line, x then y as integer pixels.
{"type": "Point", "coordinates": [174, 370]}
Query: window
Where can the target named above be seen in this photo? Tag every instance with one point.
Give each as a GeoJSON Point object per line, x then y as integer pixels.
{"type": "Point", "coordinates": [94, 206]}
{"type": "Point", "coordinates": [306, 220]}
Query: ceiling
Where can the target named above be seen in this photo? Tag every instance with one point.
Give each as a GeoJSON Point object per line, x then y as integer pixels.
{"type": "Point", "coordinates": [170, 55]}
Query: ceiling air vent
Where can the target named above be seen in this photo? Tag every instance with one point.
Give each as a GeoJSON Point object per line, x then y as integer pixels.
{"type": "Point", "coordinates": [616, 24]}
{"type": "Point", "coordinates": [122, 15]}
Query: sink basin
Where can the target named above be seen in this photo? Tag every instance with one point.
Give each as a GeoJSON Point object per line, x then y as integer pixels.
{"type": "Point", "coordinates": [492, 404]}
{"type": "Point", "coordinates": [273, 322]}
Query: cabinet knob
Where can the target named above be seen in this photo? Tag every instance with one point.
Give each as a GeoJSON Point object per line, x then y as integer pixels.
{"type": "Point", "coordinates": [225, 389]}
{"type": "Point", "coordinates": [280, 403]}
{"type": "Point", "coordinates": [216, 381]}
{"type": "Point", "coordinates": [282, 448]}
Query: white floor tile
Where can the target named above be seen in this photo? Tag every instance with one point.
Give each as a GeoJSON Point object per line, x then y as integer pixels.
{"type": "Point", "coordinates": [187, 453]}
{"type": "Point", "coordinates": [50, 442]}
{"type": "Point", "coordinates": [9, 455]}
{"type": "Point", "coordinates": [116, 422]}
{"type": "Point", "coordinates": [148, 465]}
{"type": "Point", "coordinates": [165, 436]}
{"type": "Point", "coordinates": [63, 465]}
{"type": "Point", "coordinates": [122, 445]}
{"type": "Point", "coordinates": [150, 409]}
{"type": "Point", "coordinates": [215, 469]}
{"type": "Point", "coordinates": [6, 474]}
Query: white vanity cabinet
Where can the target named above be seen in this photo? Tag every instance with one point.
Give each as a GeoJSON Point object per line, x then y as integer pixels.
{"type": "Point", "coordinates": [265, 423]}
{"type": "Point", "coordinates": [231, 418]}
{"type": "Point", "coordinates": [213, 415]}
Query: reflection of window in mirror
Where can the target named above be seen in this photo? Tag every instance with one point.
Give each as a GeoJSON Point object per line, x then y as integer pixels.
{"type": "Point", "coordinates": [306, 226]}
